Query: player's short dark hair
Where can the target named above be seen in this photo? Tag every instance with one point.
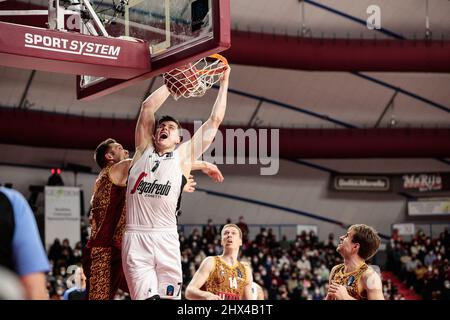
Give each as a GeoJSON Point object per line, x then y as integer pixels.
{"type": "Point", "coordinates": [101, 150]}
{"type": "Point", "coordinates": [168, 118]}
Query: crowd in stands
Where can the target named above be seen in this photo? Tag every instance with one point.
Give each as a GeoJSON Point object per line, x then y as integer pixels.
{"type": "Point", "coordinates": [61, 255]}
{"type": "Point", "coordinates": [422, 263]}
{"type": "Point", "coordinates": [297, 269]}
{"type": "Point", "coordinates": [288, 269]}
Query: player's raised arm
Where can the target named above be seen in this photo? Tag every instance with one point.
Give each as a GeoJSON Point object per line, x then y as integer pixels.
{"type": "Point", "coordinates": [146, 121]}
{"type": "Point", "coordinates": [203, 137]}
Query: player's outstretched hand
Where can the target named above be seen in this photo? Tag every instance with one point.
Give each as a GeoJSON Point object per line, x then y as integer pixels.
{"type": "Point", "coordinates": [213, 172]}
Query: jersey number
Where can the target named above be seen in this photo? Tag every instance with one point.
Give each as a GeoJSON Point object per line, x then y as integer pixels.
{"type": "Point", "coordinates": [233, 282]}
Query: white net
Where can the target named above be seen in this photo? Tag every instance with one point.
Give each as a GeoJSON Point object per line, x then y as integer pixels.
{"type": "Point", "coordinates": [194, 79]}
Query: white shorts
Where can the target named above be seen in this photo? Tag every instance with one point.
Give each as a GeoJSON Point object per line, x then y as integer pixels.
{"type": "Point", "coordinates": [151, 261]}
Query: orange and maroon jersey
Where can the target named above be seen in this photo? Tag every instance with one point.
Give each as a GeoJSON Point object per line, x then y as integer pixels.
{"type": "Point", "coordinates": [351, 280]}
{"type": "Point", "coordinates": [227, 281]}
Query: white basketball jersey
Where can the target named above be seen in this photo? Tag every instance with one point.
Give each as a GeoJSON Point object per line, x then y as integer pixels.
{"type": "Point", "coordinates": [153, 189]}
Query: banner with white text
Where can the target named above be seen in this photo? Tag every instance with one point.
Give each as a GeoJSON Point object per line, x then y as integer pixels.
{"type": "Point", "coordinates": [62, 215]}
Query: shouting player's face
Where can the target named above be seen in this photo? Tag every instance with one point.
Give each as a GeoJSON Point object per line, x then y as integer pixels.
{"type": "Point", "coordinates": [166, 135]}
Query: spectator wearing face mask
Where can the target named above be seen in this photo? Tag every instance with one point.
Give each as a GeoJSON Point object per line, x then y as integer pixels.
{"type": "Point", "coordinates": [244, 227]}
{"type": "Point", "coordinates": [429, 258]}
{"type": "Point", "coordinates": [209, 231]}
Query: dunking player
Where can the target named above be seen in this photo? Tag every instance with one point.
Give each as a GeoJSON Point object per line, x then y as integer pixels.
{"type": "Point", "coordinates": [151, 248]}
{"type": "Point", "coordinates": [354, 279]}
{"type": "Point", "coordinates": [102, 261]}
{"type": "Point", "coordinates": [223, 277]}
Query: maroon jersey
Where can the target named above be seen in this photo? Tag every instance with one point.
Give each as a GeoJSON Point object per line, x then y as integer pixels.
{"type": "Point", "coordinates": [108, 212]}
{"type": "Point", "coordinates": [102, 261]}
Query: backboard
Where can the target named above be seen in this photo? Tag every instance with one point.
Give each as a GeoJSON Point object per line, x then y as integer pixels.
{"type": "Point", "coordinates": [177, 32]}
{"type": "Point", "coordinates": [110, 44]}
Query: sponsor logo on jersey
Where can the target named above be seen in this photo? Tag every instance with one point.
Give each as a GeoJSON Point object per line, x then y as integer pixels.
{"type": "Point", "coordinates": [150, 188]}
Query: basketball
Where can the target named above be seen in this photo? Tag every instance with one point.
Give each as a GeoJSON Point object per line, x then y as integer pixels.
{"type": "Point", "coordinates": [181, 80]}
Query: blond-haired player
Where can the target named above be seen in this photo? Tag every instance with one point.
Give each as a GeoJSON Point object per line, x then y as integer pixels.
{"type": "Point", "coordinates": [223, 277]}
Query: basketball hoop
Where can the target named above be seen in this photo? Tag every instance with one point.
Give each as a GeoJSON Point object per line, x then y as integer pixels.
{"type": "Point", "coordinates": [194, 79]}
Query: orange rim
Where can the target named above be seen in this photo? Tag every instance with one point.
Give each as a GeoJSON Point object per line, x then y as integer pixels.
{"type": "Point", "coordinates": [219, 57]}
{"type": "Point", "coordinates": [218, 69]}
